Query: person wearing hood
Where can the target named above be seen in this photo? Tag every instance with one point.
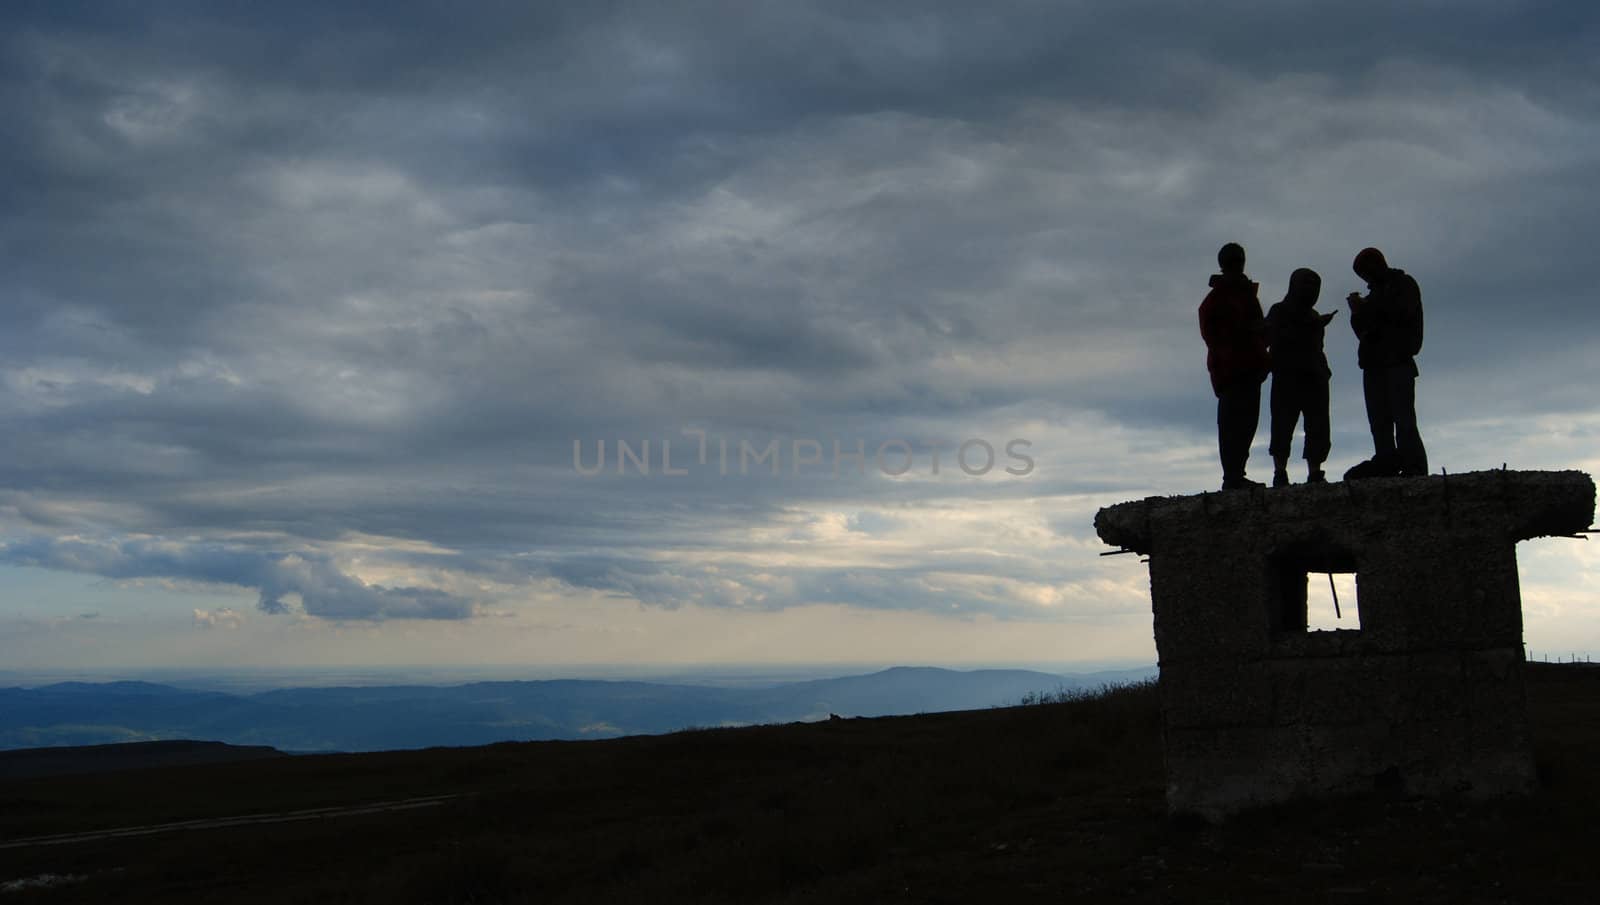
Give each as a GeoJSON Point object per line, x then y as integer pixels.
{"type": "Point", "coordinates": [1388, 324]}
{"type": "Point", "coordinates": [1300, 375]}
{"type": "Point", "coordinates": [1234, 329]}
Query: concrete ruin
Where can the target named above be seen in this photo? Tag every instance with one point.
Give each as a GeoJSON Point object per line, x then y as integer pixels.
{"type": "Point", "coordinates": [1425, 697]}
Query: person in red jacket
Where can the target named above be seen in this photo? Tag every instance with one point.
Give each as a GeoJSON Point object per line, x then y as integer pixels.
{"type": "Point", "coordinates": [1234, 328]}
{"type": "Point", "coordinates": [1388, 325]}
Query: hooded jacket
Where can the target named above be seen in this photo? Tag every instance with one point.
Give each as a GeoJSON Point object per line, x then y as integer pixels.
{"type": "Point", "coordinates": [1295, 329]}
{"type": "Point", "coordinates": [1388, 322]}
{"type": "Point", "coordinates": [1234, 329]}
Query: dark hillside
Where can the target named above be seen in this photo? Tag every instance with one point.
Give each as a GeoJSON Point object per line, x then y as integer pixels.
{"type": "Point", "coordinates": [30, 762]}
{"type": "Point", "coordinates": [1047, 803]}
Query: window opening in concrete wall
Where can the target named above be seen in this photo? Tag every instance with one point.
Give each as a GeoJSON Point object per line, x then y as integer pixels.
{"type": "Point", "coordinates": [1300, 594]}
{"type": "Point", "coordinates": [1322, 615]}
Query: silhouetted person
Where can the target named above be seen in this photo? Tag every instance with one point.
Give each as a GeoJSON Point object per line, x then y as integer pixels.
{"type": "Point", "coordinates": [1388, 323]}
{"type": "Point", "coordinates": [1300, 375]}
{"type": "Point", "coordinates": [1234, 329]}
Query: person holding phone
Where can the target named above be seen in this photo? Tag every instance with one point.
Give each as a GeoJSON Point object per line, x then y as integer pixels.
{"type": "Point", "coordinates": [1388, 325]}
{"type": "Point", "coordinates": [1300, 375]}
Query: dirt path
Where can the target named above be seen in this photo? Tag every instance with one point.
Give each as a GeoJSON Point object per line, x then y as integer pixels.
{"type": "Point", "coordinates": [211, 823]}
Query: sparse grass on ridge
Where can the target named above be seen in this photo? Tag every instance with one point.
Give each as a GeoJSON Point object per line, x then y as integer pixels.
{"type": "Point", "coordinates": [1065, 695]}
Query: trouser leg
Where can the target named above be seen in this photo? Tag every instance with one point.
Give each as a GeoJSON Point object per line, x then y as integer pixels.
{"type": "Point", "coordinates": [1284, 406]}
{"type": "Point", "coordinates": [1402, 393]}
{"type": "Point", "coordinates": [1319, 431]}
{"type": "Point", "coordinates": [1238, 414]}
{"type": "Point", "coordinates": [1375, 388]}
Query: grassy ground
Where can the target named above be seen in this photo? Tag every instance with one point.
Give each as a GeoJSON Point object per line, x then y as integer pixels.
{"type": "Point", "coordinates": [1048, 802]}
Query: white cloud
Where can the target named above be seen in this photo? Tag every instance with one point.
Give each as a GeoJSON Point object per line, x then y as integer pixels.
{"type": "Point", "coordinates": [218, 618]}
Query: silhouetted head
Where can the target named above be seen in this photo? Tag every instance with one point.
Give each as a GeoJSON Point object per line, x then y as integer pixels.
{"type": "Point", "coordinates": [1304, 286]}
{"type": "Point", "coordinates": [1230, 258]}
{"type": "Point", "coordinates": [1370, 265]}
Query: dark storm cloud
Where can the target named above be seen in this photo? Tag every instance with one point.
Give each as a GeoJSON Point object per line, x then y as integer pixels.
{"type": "Point", "coordinates": [280, 275]}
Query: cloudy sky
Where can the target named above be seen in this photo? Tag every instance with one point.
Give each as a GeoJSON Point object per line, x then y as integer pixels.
{"type": "Point", "coordinates": [305, 311]}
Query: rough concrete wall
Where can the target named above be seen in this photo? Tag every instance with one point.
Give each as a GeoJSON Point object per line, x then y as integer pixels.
{"type": "Point", "coordinates": [1427, 695]}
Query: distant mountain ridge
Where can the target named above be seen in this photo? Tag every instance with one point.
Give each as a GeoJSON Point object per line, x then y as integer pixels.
{"type": "Point", "coordinates": [418, 716]}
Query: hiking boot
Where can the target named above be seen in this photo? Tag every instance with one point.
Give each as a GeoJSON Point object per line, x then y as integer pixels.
{"type": "Point", "coordinates": [1372, 468]}
{"type": "Point", "coordinates": [1315, 476]}
{"type": "Point", "coordinates": [1280, 478]}
{"type": "Point", "coordinates": [1240, 483]}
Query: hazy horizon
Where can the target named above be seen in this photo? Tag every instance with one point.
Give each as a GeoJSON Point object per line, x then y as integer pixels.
{"type": "Point", "coordinates": [369, 711]}
{"type": "Point", "coordinates": [249, 680]}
